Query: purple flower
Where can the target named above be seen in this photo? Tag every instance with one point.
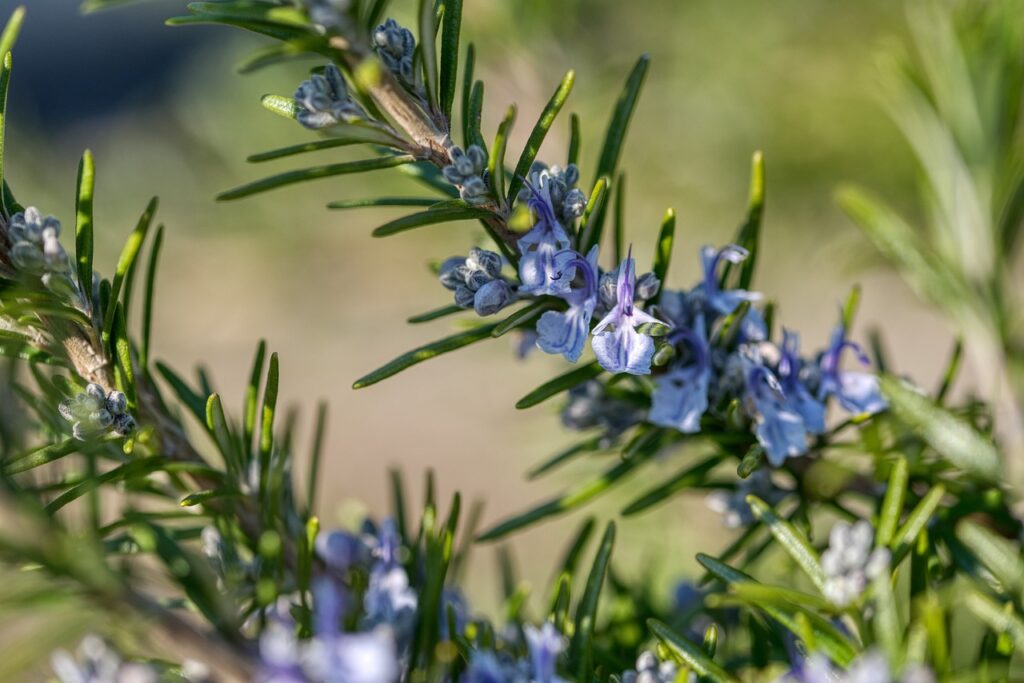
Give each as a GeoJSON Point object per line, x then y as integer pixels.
{"type": "Point", "coordinates": [339, 550]}
{"type": "Point", "coordinates": [724, 301]}
{"type": "Point", "coordinates": [544, 247]}
{"type": "Point", "coordinates": [779, 428]}
{"type": "Point", "coordinates": [798, 397]}
{"type": "Point", "coordinates": [622, 348]}
{"type": "Point", "coordinates": [566, 333]}
{"type": "Point", "coordinates": [389, 599]}
{"type": "Point", "coordinates": [545, 644]}
{"type": "Point", "coordinates": [681, 395]}
{"type": "Point", "coordinates": [484, 667]}
{"type": "Point", "coordinates": [857, 392]}
{"type": "Point", "coordinates": [353, 658]}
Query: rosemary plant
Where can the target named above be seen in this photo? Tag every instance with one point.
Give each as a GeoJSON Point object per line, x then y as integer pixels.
{"type": "Point", "coordinates": [877, 536]}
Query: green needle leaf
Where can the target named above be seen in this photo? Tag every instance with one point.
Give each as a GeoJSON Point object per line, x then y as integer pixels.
{"type": "Point", "coordinates": [496, 162]}
{"type": "Point", "coordinates": [573, 156]}
{"type": "Point", "coordinates": [590, 226]}
{"type": "Point", "coordinates": [904, 539]}
{"type": "Point", "coordinates": [953, 438]}
{"type": "Point", "coordinates": [446, 214]}
{"type": "Point", "coordinates": [11, 30]}
{"type": "Point", "coordinates": [749, 236]}
{"type": "Point", "coordinates": [559, 384]}
{"type": "Point", "coordinates": [354, 138]}
{"type": "Point", "coordinates": [588, 446]}
{"type": "Point", "coordinates": [442, 312]}
{"type": "Point", "coordinates": [892, 504]}
{"type": "Point", "coordinates": [428, 49]}
{"type": "Point", "coordinates": [662, 250]}
{"type": "Point", "coordinates": [574, 498]}
{"type": "Point", "coordinates": [450, 29]}
{"type": "Point", "coordinates": [615, 135]}
{"type": "Point", "coordinates": [581, 647]}
{"type": "Point", "coordinates": [687, 478]}
{"type": "Point", "coordinates": [382, 201]}
{"type": "Point", "coordinates": [426, 352]}
{"type": "Point", "coordinates": [692, 655]}
{"type": "Point", "coordinates": [540, 131]}
{"type": "Point", "coordinates": [40, 456]}
{"type": "Point", "coordinates": [523, 315]}
{"type": "Point", "coordinates": [84, 220]}
{"type": "Point", "coordinates": [126, 260]}
{"type": "Point", "coordinates": [5, 82]}
{"type": "Point", "coordinates": [1001, 556]}
{"type": "Point", "coordinates": [791, 540]}
{"type": "Point", "coordinates": [147, 311]}
{"type": "Point", "coordinates": [999, 619]}
{"type": "Point", "coordinates": [314, 173]}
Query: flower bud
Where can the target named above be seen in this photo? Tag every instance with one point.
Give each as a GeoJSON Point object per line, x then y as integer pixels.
{"type": "Point", "coordinates": [492, 297]}
{"type": "Point", "coordinates": [464, 297]}
{"type": "Point", "coordinates": [647, 286]}
{"type": "Point", "coordinates": [453, 272]}
{"type": "Point", "coordinates": [487, 261]}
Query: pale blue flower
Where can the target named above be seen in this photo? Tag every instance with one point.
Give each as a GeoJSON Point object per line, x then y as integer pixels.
{"type": "Point", "coordinates": [857, 392]}
{"type": "Point", "coordinates": [648, 669]}
{"type": "Point", "coordinates": [725, 301]}
{"type": "Point", "coordinates": [798, 397]}
{"type": "Point", "coordinates": [96, 662]}
{"type": "Point", "coordinates": [681, 394]}
{"type": "Point", "coordinates": [484, 667]}
{"type": "Point", "coordinates": [544, 248]}
{"type": "Point", "coordinates": [566, 332]}
{"type": "Point", "coordinates": [621, 348]}
{"type": "Point", "coordinates": [389, 598]}
{"type": "Point", "coordinates": [368, 657]}
{"type": "Point", "coordinates": [779, 429]}
{"type": "Point", "coordinates": [340, 550]}
{"type": "Point", "coordinates": [851, 561]}
{"type": "Point", "coordinates": [545, 644]}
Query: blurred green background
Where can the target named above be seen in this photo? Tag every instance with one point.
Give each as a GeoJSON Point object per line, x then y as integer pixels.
{"type": "Point", "coordinates": [165, 114]}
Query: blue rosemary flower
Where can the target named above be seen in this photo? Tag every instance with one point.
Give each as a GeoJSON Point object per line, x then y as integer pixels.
{"type": "Point", "coordinates": [779, 428]}
{"type": "Point", "coordinates": [389, 599]}
{"type": "Point", "coordinates": [869, 667]}
{"type": "Point", "coordinates": [616, 343]}
{"type": "Point", "coordinates": [720, 301]}
{"type": "Point", "coordinates": [850, 563]}
{"type": "Point", "coordinates": [340, 550]}
{"type": "Point", "coordinates": [798, 397]}
{"type": "Point", "coordinates": [95, 662]}
{"type": "Point", "coordinates": [545, 644]}
{"type": "Point", "coordinates": [649, 670]}
{"type": "Point", "coordinates": [94, 411]}
{"type": "Point", "coordinates": [857, 392]}
{"type": "Point", "coordinates": [681, 394]}
{"type": "Point", "coordinates": [566, 333]}
{"type": "Point", "coordinates": [545, 248]}
{"type": "Point", "coordinates": [324, 101]}
{"type": "Point", "coordinates": [330, 656]}
{"type": "Point", "coordinates": [484, 667]}
{"type": "Point", "coordinates": [396, 46]}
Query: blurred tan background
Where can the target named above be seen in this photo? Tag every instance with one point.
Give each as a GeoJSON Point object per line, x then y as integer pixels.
{"type": "Point", "coordinates": [165, 114]}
